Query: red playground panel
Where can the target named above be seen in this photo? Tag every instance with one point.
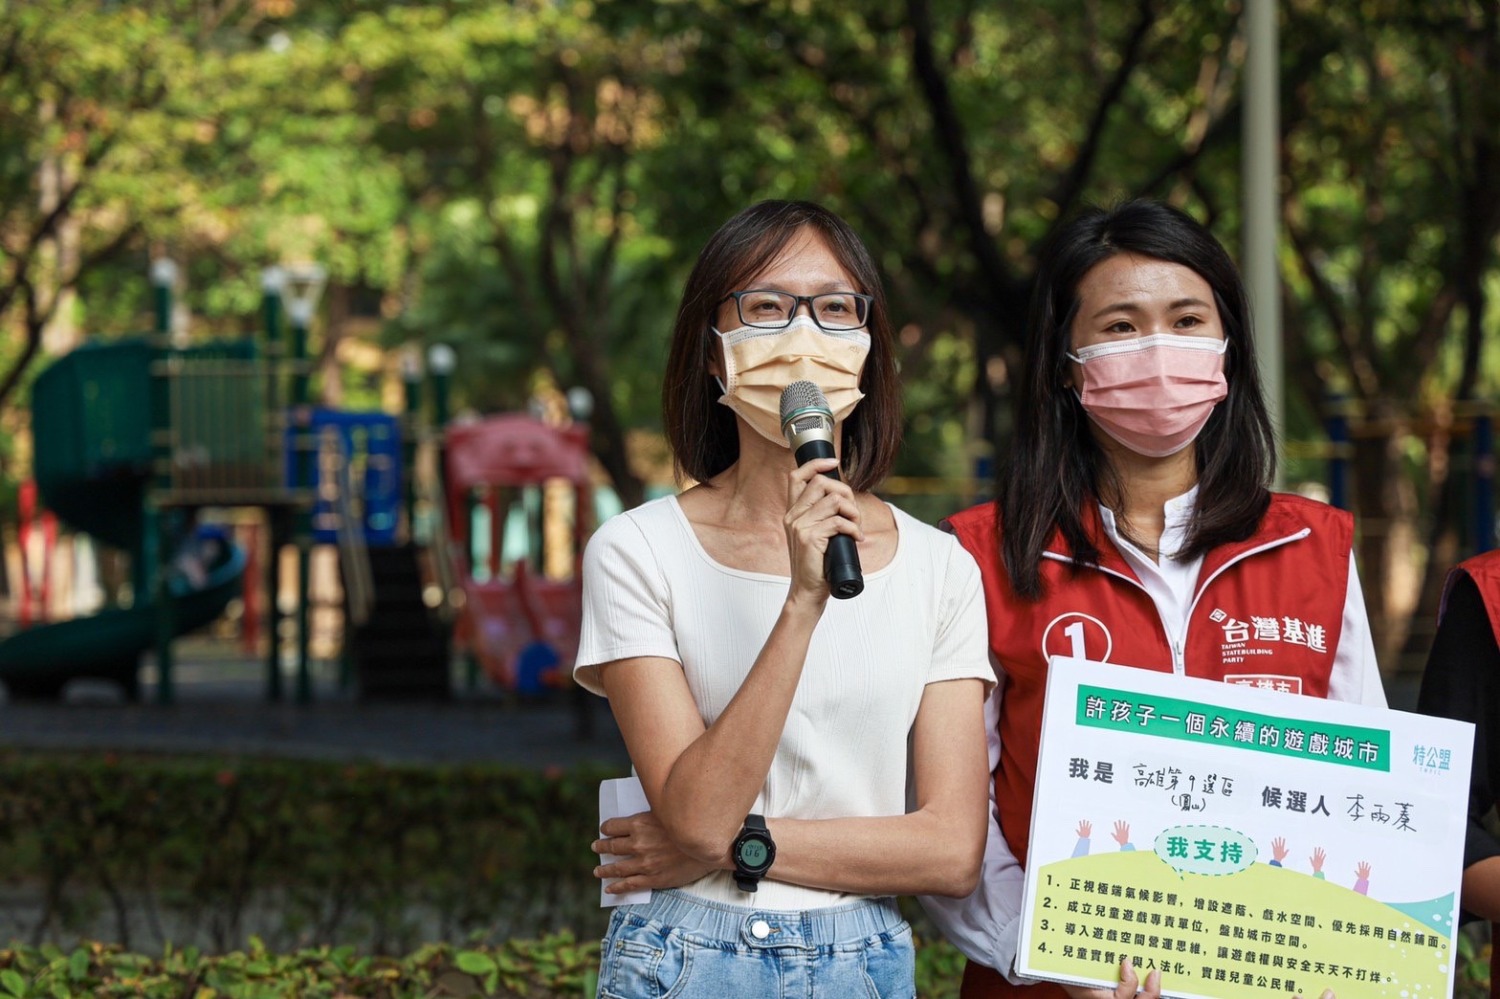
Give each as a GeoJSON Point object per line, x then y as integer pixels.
{"type": "Point", "coordinates": [521, 626]}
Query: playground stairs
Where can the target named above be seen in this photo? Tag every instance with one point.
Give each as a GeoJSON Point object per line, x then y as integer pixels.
{"type": "Point", "coordinates": [401, 652]}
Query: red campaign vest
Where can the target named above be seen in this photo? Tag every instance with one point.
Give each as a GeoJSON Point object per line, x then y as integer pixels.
{"type": "Point", "coordinates": [1267, 612]}
{"type": "Point", "coordinates": [1485, 571]}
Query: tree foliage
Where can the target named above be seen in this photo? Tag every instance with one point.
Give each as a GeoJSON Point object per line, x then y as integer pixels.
{"type": "Point", "coordinates": [531, 180]}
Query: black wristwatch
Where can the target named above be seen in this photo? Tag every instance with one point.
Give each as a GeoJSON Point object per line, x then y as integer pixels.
{"type": "Point", "coordinates": [753, 853]}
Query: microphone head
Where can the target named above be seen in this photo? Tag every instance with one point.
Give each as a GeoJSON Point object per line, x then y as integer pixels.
{"type": "Point", "coordinates": [804, 410]}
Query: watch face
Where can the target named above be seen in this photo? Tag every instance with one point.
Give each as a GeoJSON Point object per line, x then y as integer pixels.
{"type": "Point", "coordinates": [753, 853]}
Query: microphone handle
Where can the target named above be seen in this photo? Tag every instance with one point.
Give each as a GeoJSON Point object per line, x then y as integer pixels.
{"type": "Point", "coordinates": [841, 560]}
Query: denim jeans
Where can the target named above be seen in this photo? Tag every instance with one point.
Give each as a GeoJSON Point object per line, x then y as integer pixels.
{"type": "Point", "coordinates": [678, 946]}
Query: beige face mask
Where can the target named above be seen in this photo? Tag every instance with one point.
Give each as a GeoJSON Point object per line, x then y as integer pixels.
{"type": "Point", "coordinates": [760, 363]}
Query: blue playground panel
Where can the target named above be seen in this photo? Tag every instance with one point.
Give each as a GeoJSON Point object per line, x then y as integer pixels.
{"type": "Point", "coordinates": [372, 443]}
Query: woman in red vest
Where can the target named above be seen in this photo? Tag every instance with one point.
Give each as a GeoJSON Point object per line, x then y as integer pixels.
{"type": "Point", "coordinates": [1135, 526]}
{"type": "Point", "coordinates": [1462, 681]}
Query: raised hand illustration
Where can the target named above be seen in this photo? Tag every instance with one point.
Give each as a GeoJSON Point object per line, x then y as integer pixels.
{"type": "Point", "coordinates": [1317, 858]}
{"type": "Point", "coordinates": [1085, 830]}
{"type": "Point", "coordinates": [1121, 835]}
{"type": "Point", "coordinates": [1362, 876]}
{"type": "Point", "coordinates": [1279, 852]}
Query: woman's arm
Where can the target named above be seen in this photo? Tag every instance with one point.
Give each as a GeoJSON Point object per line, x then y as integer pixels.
{"type": "Point", "coordinates": [934, 849]}
{"type": "Point", "coordinates": [703, 780]}
{"type": "Point", "coordinates": [939, 843]}
{"type": "Point", "coordinates": [985, 924]}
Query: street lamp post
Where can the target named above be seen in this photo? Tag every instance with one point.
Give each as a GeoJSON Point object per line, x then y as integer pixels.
{"type": "Point", "coordinates": [151, 570]}
{"type": "Point", "coordinates": [1260, 170]}
{"type": "Point", "coordinates": [163, 279]}
{"type": "Point", "coordinates": [441, 360]}
{"type": "Point", "coordinates": [411, 383]}
{"type": "Point", "coordinates": [304, 285]}
{"type": "Point", "coordinates": [272, 285]}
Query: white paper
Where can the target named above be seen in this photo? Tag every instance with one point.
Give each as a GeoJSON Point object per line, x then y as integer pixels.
{"type": "Point", "coordinates": [619, 798]}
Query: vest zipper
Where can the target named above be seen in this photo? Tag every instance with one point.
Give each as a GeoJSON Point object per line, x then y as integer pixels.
{"type": "Point", "coordinates": [1178, 644]}
{"type": "Point", "coordinates": [1240, 558]}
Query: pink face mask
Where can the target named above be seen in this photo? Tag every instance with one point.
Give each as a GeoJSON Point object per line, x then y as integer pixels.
{"type": "Point", "coordinates": [1153, 394]}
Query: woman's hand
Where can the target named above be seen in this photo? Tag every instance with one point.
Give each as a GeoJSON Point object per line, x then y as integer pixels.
{"type": "Point", "coordinates": [1129, 986]}
{"type": "Point", "coordinates": [647, 858]}
{"type": "Point", "coordinates": [817, 508]}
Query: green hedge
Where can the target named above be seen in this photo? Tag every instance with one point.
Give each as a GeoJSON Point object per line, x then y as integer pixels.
{"type": "Point", "coordinates": [319, 859]}
{"type": "Point", "coordinates": [146, 850]}
{"type": "Point", "coordinates": [552, 967]}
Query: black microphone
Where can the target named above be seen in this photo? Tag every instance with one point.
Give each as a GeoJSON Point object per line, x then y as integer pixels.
{"type": "Point", "coordinates": [808, 424]}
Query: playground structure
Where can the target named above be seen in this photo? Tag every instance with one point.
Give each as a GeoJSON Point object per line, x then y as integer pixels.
{"type": "Point", "coordinates": [95, 412]}
{"type": "Point", "coordinates": [137, 440]}
{"type": "Point", "coordinates": [141, 443]}
{"type": "Point", "coordinates": [520, 617]}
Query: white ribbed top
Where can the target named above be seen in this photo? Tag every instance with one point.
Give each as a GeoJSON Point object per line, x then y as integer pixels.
{"type": "Point", "coordinates": [650, 589]}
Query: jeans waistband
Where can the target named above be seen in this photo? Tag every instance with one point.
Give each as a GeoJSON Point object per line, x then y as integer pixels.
{"type": "Point", "coordinates": [830, 927]}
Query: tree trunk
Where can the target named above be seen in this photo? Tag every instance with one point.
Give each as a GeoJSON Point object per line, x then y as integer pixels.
{"type": "Point", "coordinates": [1443, 542]}
{"type": "Point", "coordinates": [331, 381]}
{"type": "Point", "coordinates": [607, 436]}
{"type": "Point", "coordinates": [1385, 507]}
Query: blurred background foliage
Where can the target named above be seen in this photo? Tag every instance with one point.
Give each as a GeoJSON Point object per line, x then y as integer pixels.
{"type": "Point", "coordinates": [530, 181]}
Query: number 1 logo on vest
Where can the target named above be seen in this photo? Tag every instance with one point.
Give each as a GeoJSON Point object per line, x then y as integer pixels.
{"type": "Point", "coordinates": [1079, 636]}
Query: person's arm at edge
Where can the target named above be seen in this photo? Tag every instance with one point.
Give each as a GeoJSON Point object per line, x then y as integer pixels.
{"type": "Point", "coordinates": [985, 925]}
{"type": "Point", "coordinates": [1460, 681]}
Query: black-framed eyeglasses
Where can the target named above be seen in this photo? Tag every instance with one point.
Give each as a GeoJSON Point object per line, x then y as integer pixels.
{"type": "Point", "coordinates": [836, 311]}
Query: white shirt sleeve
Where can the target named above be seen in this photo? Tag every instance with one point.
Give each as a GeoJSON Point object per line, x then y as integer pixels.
{"type": "Point", "coordinates": [986, 925]}
{"type": "Point", "coordinates": [960, 649]}
{"type": "Point", "coordinates": [1356, 675]}
{"type": "Point", "coordinates": [626, 605]}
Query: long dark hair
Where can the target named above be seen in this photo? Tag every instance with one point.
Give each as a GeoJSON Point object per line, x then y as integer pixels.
{"type": "Point", "coordinates": [1057, 468]}
{"type": "Point", "coordinates": [702, 433]}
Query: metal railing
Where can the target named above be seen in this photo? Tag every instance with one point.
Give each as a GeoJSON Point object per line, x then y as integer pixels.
{"type": "Point", "coordinates": [354, 554]}
{"type": "Point", "coordinates": [217, 441]}
{"type": "Point", "coordinates": [433, 492]}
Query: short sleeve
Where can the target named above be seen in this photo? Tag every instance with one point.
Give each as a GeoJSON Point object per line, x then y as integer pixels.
{"type": "Point", "coordinates": [961, 647]}
{"type": "Point", "coordinates": [626, 603]}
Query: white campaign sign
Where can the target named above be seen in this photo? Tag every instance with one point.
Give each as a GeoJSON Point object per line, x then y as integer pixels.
{"type": "Point", "coordinates": [1244, 842]}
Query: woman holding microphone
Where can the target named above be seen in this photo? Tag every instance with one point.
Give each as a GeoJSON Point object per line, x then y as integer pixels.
{"type": "Point", "coordinates": [773, 728]}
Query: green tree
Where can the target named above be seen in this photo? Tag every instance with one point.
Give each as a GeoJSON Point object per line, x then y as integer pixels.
{"type": "Point", "coordinates": [81, 87]}
{"type": "Point", "coordinates": [1391, 214]}
{"type": "Point", "coordinates": [520, 132]}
